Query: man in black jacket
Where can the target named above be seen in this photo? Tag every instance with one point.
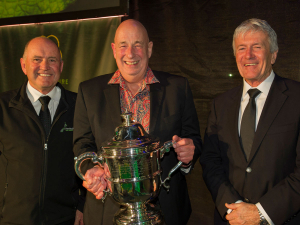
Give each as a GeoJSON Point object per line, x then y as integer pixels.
{"type": "Point", "coordinates": [37, 180]}
{"type": "Point", "coordinates": [161, 102]}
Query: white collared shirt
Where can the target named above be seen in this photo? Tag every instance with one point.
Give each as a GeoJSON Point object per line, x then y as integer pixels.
{"type": "Point", "coordinates": [260, 100]}
{"type": "Point", "coordinates": [34, 96]}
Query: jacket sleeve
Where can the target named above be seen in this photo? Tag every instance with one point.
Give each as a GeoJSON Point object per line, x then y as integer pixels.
{"type": "Point", "coordinates": [190, 123]}
{"type": "Point", "coordinates": [282, 202]}
{"type": "Point", "coordinates": [83, 137]}
{"type": "Point", "coordinates": [215, 172]}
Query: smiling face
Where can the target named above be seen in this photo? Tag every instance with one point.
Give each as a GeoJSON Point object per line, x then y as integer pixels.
{"type": "Point", "coordinates": [42, 64]}
{"type": "Point", "coordinates": [132, 50]}
{"type": "Point", "coordinates": [253, 57]}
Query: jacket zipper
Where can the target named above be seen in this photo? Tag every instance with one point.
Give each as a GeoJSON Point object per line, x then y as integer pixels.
{"type": "Point", "coordinates": [43, 186]}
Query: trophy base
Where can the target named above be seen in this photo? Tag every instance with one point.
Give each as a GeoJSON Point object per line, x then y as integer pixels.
{"type": "Point", "coordinates": [138, 214]}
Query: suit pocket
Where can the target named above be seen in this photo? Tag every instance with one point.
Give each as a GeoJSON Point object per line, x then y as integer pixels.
{"type": "Point", "coordinates": [282, 128]}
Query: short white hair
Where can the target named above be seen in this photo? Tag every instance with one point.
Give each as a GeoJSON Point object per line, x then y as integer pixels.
{"type": "Point", "coordinates": [255, 25]}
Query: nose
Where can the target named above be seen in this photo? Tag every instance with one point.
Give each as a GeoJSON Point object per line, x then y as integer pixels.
{"type": "Point", "coordinates": [44, 65]}
{"type": "Point", "coordinates": [249, 53]}
{"type": "Point", "coordinates": [130, 52]}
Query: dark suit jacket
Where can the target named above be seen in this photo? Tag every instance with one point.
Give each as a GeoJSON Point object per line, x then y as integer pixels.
{"type": "Point", "coordinates": [273, 176]}
{"type": "Point", "coordinates": [97, 114]}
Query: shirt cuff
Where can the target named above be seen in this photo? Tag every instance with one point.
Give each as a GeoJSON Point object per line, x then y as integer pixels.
{"type": "Point", "coordinates": [261, 209]}
{"type": "Point", "coordinates": [230, 210]}
{"type": "Point", "coordinates": [186, 169]}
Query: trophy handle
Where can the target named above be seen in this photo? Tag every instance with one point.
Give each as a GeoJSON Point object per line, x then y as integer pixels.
{"type": "Point", "coordinates": [95, 159]}
{"type": "Point", "coordinates": [164, 149]}
{"type": "Point", "coordinates": [80, 159]}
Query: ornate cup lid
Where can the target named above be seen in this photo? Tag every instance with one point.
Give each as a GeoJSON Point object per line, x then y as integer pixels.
{"type": "Point", "coordinates": [130, 139]}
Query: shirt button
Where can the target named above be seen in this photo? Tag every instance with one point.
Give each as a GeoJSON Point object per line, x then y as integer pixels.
{"type": "Point", "coordinates": [248, 170]}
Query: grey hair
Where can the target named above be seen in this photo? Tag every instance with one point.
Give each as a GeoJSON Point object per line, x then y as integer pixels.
{"type": "Point", "coordinates": [255, 25]}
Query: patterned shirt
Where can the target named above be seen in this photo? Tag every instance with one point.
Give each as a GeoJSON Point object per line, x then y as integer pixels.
{"type": "Point", "coordinates": [138, 104]}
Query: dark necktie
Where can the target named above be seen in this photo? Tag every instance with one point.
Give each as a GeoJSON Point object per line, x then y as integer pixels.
{"type": "Point", "coordinates": [248, 123]}
{"type": "Point", "coordinates": [45, 116]}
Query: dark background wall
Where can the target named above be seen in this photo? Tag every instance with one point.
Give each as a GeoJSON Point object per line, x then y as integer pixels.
{"type": "Point", "coordinates": [193, 38]}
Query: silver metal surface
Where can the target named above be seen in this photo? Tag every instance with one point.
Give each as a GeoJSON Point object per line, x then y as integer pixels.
{"type": "Point", "coordinates": [134, 172]}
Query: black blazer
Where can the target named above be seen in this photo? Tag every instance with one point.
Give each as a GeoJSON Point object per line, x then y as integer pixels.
{"type": "Point", "coordinates": [273, 176]}
{"type": "Point", "coordinates": [172, 111]}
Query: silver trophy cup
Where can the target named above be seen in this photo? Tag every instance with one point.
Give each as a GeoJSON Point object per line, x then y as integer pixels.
{"type": "Point", "coordinates": [132, 160]}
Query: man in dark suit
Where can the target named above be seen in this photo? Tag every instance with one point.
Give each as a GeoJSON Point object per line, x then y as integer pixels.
{"type": "Point", "coordinates": [164, 98]}
{"type": "Point", "coordinates": [252, 151]}
{"type": "Point", "coordinates": [38, 184]}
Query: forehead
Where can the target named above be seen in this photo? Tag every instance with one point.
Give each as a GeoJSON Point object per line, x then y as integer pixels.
{"type": "Point", "coordinates": [131, 34]}
{"type": "Point", "coordinates": [252, 37]}
{"type": "Point", "coordinates": [42, 47]}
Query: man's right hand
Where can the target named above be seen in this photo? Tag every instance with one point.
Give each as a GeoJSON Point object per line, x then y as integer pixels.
{"type": "Point", "coordinates": [95, 181]}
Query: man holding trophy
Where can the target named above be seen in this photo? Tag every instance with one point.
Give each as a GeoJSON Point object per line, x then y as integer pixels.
{"type": "Point", "coordinates": [162, 103]}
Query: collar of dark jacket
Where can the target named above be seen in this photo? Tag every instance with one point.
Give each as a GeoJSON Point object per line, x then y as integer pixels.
{"type": "Point", "coordinates": [22, 102]}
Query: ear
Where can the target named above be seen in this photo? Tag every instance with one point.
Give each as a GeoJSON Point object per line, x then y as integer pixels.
{"type": "Point", "coordinates": [274, 56]}
{"type": "Point", "coordinates": [23, 65]}
{"type": "Point", "coordinates": [150, 46]}
{"type": "Point", "coordinates": [113, 46]}
{"type": "Point", "coordinates": [61, 66]}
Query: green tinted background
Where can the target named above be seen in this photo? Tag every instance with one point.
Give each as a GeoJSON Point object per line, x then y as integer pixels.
{"type": "Point", "coordinates": [85, 47]}
{"type": "Point", "coordinates": [16, 8]}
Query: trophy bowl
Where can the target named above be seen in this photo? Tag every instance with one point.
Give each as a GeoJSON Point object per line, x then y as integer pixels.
{"type": "Point", "coordinates": [132, 164]}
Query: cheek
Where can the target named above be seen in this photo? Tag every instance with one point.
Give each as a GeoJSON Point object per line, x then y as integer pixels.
{"type": "Point", "coordinates": [56, 68]}
{"type": "Point", "coordinates": [121, 52]}
{"type": "Point", "coordinates": [141, 53]}
{"type": "Point", "coordinates": [239, 62]}
{"type": "Point", "coordinates": [33, 68]}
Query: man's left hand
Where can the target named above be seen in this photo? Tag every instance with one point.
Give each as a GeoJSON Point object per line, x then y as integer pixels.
{"type": "Point", "coordinates": [185, 148]}
{"type": "Point", "coordinates": [78, 218]}
{"type": "Point", "coordinates": [243, 213]}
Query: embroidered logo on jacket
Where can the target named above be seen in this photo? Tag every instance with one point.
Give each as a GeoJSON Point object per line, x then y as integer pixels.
{"type": "Point", "coordinates": [66, 128]}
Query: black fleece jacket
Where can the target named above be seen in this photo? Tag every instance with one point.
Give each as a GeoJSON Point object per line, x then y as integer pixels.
{"type": "Point", "coordinates": [38, 184]}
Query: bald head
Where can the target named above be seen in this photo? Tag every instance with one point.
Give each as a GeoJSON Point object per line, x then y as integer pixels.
{"type": "Point", "coordinates": [131, 25]}
{"type": "Point", "coordinates": [132, 50]}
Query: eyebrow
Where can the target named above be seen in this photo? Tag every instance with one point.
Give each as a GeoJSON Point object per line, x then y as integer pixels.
{"type": "Point", "coordinates": [40, 57]}
{"type": "Point", "coordinates": [139, 42]}
{"type": "Point", "coordinates": [136, 42]}
{"type": "Point", "coordinates": [242, 45]}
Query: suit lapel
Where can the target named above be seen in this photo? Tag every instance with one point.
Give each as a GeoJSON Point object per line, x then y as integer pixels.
{"type": "Point", "coordinates": [233, 116]}
{"type": "Point", "coordinates": [274, 102]}
{"type": "Point", "coordinates": [156, 93]}
{"type": "Point", "coordinates": [112, 96]}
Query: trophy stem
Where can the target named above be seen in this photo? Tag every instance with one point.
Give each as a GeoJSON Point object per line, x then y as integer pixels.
{"type": "Point", "coordinates": [138, 213]}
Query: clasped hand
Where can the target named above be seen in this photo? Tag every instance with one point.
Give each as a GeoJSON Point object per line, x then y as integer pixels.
{"type": "Point", "coordinates": [243, 213]}
{"type": "Point", "coordinates": [96, 182]}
